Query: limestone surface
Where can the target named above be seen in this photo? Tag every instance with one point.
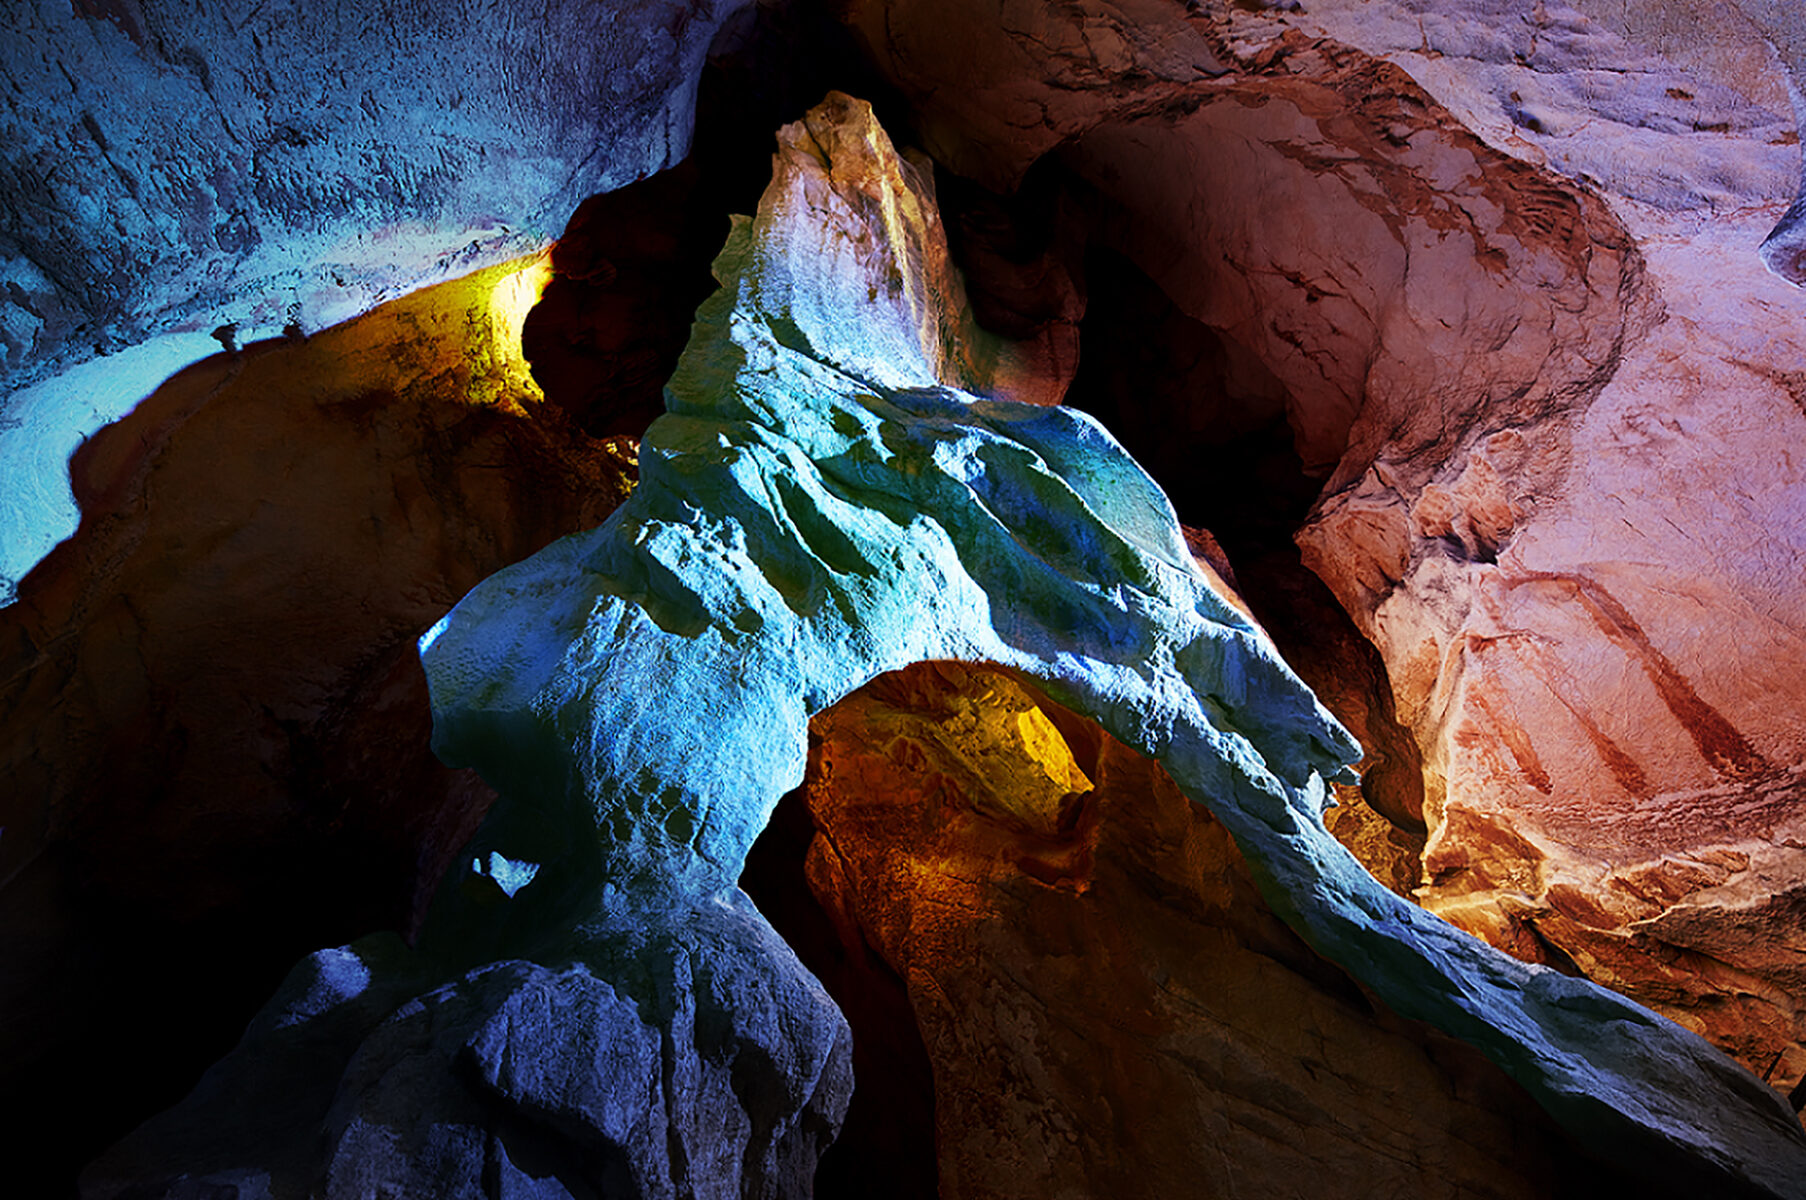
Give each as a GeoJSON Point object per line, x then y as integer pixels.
{"type": "Point", "coordinates": [831, 497]}
{"type": "Point", "coordinates": [176, 177]}
{"type": "Point", "coordinates": [1500, 261]}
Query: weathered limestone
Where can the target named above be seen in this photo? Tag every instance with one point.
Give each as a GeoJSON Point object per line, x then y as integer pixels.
{"type": "Point", "coordinates": [170, 170]}
{"type": "Point", "coordinates": [669, 1055]}
{"type": "Point", "coordinates": [827, 501]}
{"type": "Point", "coordinates": [1502, 258]}
{"type": "Point", "coordinates": [1605, 708]}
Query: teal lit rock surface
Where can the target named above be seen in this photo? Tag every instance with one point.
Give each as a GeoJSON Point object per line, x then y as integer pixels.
{"type": "Point", "coordinates": [831, 497]}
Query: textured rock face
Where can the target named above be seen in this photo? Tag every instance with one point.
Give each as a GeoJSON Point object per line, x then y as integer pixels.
{"type": "Point", "coordinates": [830, 500]}
{"type": "Point", "coordinates": [1109, 1005]}
{"type": "Point", "coordinates": [1605, 703]}
{"type": "Point", "coordinates": [274, 164]}
{"type": "Point", "coordinates": [213, 726]}
{"type": "Point", "coordinates": [1514, 319]}
{"type": "Point", "coordinates": [823, 504]}
{"type": "Point", "coordinates": [684, 1053]}
{"type": "Point", "coordinates": [171, 169]}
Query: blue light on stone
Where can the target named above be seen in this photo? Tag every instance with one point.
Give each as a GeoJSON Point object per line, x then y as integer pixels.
{"type": "Point", "coordinates": [509, 875]}
{"type": "Point", "coordinates": [831, 497]}
{"type": "Point", "coordinates": [42, 425]}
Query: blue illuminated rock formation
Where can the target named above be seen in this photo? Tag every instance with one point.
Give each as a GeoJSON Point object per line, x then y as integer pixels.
{"type": "Point", "coordinates": [832, 495]}
{"type": "Point", "coordinates": [830, 498]}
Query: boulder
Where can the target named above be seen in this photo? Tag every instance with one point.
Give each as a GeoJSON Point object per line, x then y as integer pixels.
{"type": "Point", "coordinates": [674, 1054]}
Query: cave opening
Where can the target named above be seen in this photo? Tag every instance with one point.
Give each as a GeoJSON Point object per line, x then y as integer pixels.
{"type": "Point", "coordinates": [962, 843]}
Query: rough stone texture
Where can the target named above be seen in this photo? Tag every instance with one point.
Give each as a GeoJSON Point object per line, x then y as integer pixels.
{"type": "Point", "coordinates": [1514, 308]}
{"type": "Point", "coordinates": [213, 723]}
{"type": "Point", "coordinates": [1109, 1005]}
{"type": "Point", "coordinates": [826, 502]}
{"type": "Point", "coordinates": [1783, 25]}
{"type": "Point", "coordinates": [167, 162]}
{"type": "Point", "coordinates": [682, 1053]}
{"type": "Point", "coordinates": [168, 169]}
{"type": "Point", "coordinates": [1614, 768]}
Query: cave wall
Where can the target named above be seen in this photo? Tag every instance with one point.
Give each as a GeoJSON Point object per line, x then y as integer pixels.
{"type": "Point", "coordinates": [1488, 274]}
{"type": "Point", "coordinates": [1499, 261]}
{"type": "Point", "coordinates": [180, 177]}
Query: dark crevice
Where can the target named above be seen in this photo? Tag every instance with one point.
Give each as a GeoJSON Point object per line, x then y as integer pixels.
{"type": "Point", "coordinates": [633, 264]}
{"type": "Point", "coordinates": [1209, 422]}
{"type": "Point", "coordinates": [886, 1150]}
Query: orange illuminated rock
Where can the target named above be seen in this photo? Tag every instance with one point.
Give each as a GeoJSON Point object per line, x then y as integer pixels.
{"type": "Point", "coordinates": [1108, 1005]}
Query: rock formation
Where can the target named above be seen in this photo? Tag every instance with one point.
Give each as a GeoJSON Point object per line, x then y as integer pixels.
{"type": "Point", "coordinates": [1109, 1004]}
{"type": "Point", "coordinates": [824, 503]}
{"type": "Point", "coordinates": [676, 1053]}
{"type": "Point", "coordinates": [1511, 313]}
{"type": "Point", "coordinates": [1471, 291]}
{"type": "Point", "coordinates": [175, 174]}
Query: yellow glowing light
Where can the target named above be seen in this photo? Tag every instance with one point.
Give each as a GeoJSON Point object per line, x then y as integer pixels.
{"type": "Point", "coordinates": [1042, 745]}
{"type": "Point", "coordinates": [510, 300]}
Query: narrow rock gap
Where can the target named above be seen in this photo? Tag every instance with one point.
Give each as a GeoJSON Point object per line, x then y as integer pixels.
{"type": "Point", "coordinates": [633, 264]}
{"type": "Point", "coordinates": [886, 1149]}
{"type": "Point", "coordinates": [1209, 423]}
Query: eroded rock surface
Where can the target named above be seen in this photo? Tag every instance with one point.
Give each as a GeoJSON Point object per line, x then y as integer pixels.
{"type": "Point", "coordinates": [1604, 708]}
{"type": "Point", "coordinates": [678, 1054]}
{"type": "Point", "coordinates": [175, 174]}
{"type": "Point", "coordinates": [213, 723]}
{"type": "Point", "coordinates": [1496, 264]}
{"type": "Point", "coordinates": [826, 501]}
{"type": "Point", "coordinates": [266, 165]}
{"type": "Point", "coordinates": [1109, 1005]}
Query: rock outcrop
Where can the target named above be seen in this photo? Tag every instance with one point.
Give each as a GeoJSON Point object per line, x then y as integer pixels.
{"type": "Point", "coordinates": [175, 174]}
{"type": "Point", "coordinates": [1496, 265]}
{"type": "Point", "coordinates": [828, 501]}
{"type": "Point", "coordinates": [669, 1054]}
